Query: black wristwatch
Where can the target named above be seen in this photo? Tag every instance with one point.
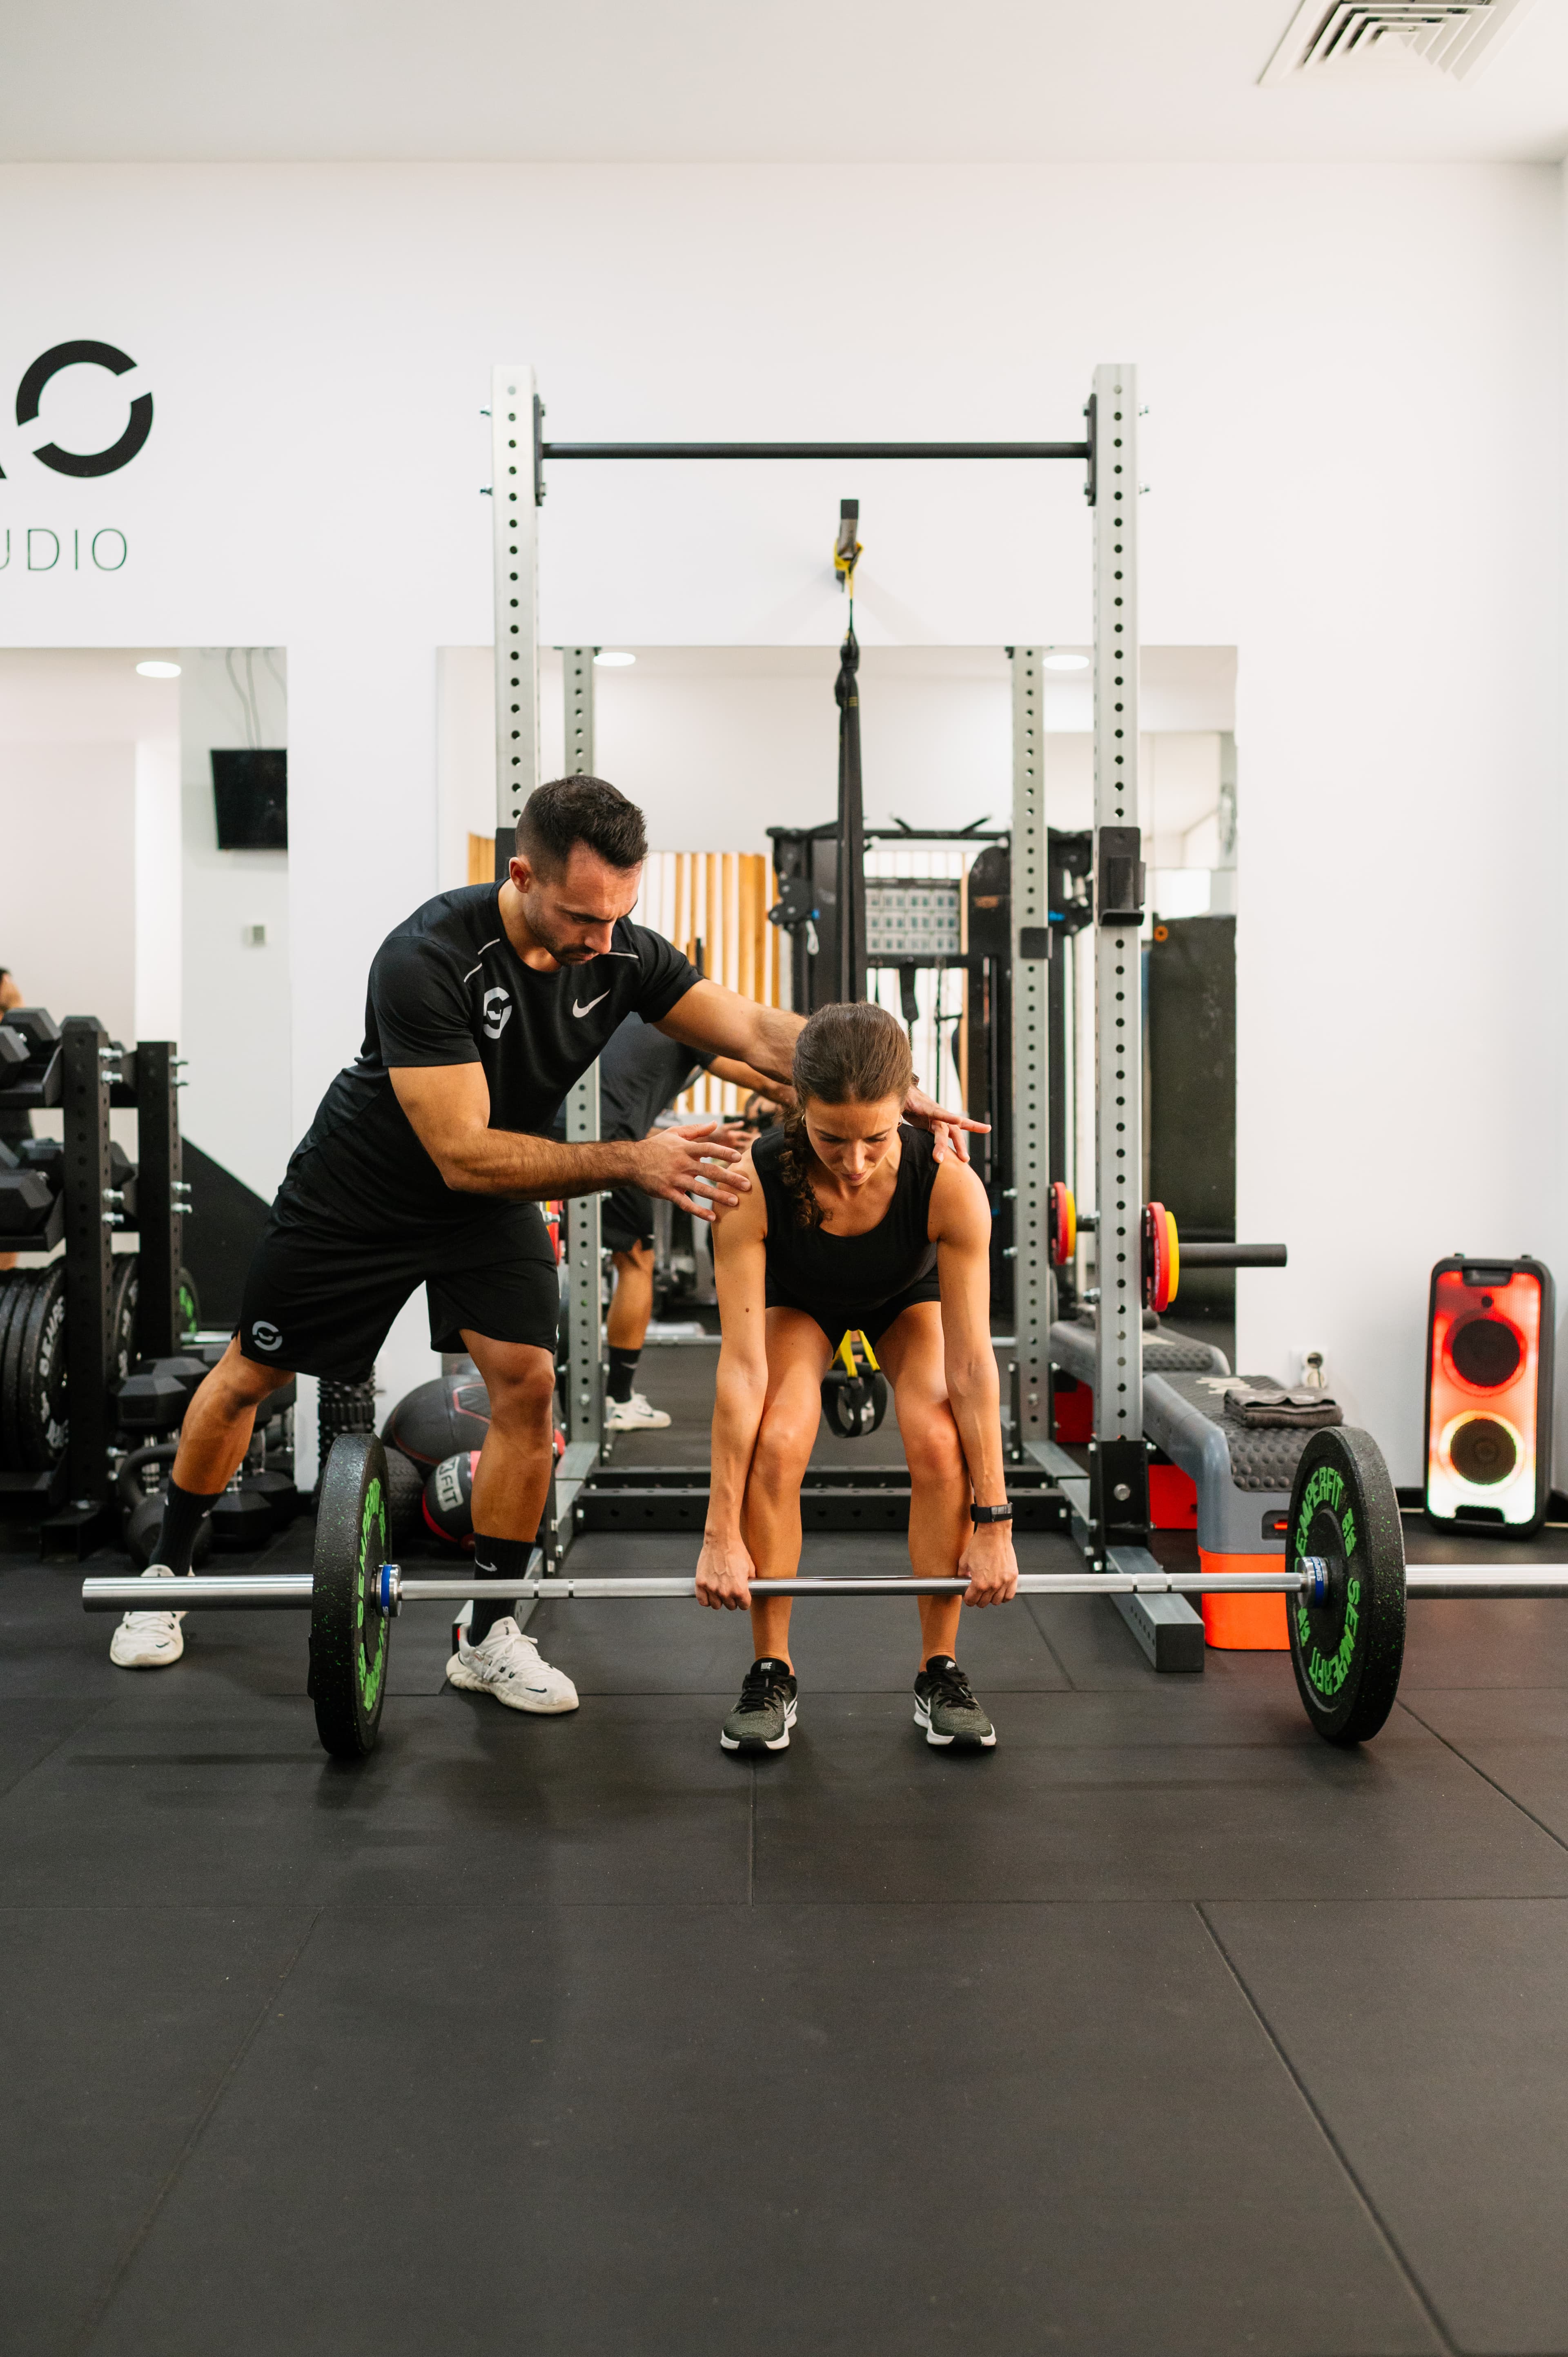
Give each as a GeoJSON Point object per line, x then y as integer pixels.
{"type": "Point", "coordinates": [992, 1514]}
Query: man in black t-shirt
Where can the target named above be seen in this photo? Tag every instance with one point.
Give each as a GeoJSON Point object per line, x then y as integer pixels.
{"type": "Point", "coordinates": [427, 1163]}
{"type": "Point", "coordinates": [640, 1073]}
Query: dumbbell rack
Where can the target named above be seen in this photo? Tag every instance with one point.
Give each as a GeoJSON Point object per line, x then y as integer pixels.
{"type": "Point", "coordinates": [87, 1076]}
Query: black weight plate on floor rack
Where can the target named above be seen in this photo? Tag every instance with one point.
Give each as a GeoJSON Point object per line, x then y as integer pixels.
{"type": "Point", "coordinates": [15, 1303]}
{"type": "Point", "coordinates": [1347, 1652]}
{"type": "Point", "coordinates": [15, 1288]}
{"type": "Point", "coordinates": [349, 1635]}
{"type": "Point", "coordinates": [123, 1294]}
{"type": "Point", "coordinates": [41, 1422]}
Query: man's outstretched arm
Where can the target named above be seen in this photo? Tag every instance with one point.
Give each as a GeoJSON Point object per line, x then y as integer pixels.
{"type": "Point", "coordinates": [448, 1107]}
{"type": "Point", "coordinates": [708, 1015]}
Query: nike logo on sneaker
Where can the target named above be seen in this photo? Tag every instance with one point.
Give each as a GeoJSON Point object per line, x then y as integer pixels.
{"type": "Point", "coordinates": [578, 1010]}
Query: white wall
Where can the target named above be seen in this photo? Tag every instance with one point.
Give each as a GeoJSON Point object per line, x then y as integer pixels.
{"type": "Point", "coordinates": [1355, 382]}
{"type": "Point", "coordinates": [719, 743]}
{"type": "Point", "coordinates": [235, 1024]}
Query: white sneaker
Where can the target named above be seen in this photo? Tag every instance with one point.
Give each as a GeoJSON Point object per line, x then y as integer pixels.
{"type": "Point", "coordinates": [507, 1664]}
{"type": "Point", "coordinates": [148, 1640]}
{"type": "Point", "coordinates": [634, 1415]}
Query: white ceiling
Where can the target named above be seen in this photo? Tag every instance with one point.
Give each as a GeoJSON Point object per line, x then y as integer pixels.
{"type": "Point", "coordinates": [724, 80]}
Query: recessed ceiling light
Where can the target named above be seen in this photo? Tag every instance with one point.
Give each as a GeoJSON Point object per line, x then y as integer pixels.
{"type": "Point", "coordinates": [159, 669]}
{"type": "Point", "coordinates": [1065, 662]}
{"type": "Point", "coordinates": [612, 660]}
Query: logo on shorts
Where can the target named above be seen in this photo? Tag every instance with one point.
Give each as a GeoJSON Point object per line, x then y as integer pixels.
{"type": "Point", "coordinates": [265, 1335]}
{"type": "Point", "coordinates": [497, 1012]}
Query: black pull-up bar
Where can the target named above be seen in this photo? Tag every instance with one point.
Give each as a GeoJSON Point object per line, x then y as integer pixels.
{"type": "Point", "coordinates": [815, 450]}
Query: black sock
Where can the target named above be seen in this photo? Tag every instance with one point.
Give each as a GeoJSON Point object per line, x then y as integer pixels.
{"type": "Point", "coordinates": [623, 1366]}
{"type": "Point", "coordinates": [184, 1512]}
{"type": "Point", "coordinates": [496, 1559]}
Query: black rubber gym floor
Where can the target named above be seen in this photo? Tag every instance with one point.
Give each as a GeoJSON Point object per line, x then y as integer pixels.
{"type": "Point", "coordinates": [1162, 2028]}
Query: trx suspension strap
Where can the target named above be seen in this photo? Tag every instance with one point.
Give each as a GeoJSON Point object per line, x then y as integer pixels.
{"type": "Point", "coordinates": [851, 975]}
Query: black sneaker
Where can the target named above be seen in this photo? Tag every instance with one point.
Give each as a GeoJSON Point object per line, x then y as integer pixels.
{"type": "Point", "coordinates": [766, 1711]}
{"type": "Point", "coordinates": [945, 1705]}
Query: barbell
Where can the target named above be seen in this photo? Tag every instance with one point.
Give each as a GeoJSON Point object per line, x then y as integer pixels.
{"type": "Point", "coordinates": [1343, 1574]}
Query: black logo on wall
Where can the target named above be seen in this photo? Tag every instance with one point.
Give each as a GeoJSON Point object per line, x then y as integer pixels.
{"type": "Point", "coordinates": [83, 463]}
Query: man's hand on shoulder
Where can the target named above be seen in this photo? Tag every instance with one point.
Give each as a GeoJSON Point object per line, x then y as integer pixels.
{"type": "Point", "coordinates": [693, 1167]}
{"type": "Point", "coordinates": [948, 1129]}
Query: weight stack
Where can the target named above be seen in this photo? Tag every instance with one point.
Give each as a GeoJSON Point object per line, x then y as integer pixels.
{"type": "Point", "coordinates": [1489, 1330]}
{"type": "Point", "coordinates": [342, 1407]}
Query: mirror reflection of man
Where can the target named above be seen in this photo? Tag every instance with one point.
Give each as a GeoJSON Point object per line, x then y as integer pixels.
{"type": "Point", "coordinates": [427, 1163]}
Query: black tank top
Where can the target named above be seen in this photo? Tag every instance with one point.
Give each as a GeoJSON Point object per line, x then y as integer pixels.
{"type": "Point", "coordinates": [812, 1265]}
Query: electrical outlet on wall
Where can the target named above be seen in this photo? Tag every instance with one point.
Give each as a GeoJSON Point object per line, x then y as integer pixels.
{"type": "Point", "coordinates": [1311, 1367]}
{"type": "Point", "coordinates": [254, 936]}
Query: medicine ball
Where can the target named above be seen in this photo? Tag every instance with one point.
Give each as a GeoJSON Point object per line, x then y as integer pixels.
{"type": "Point", "coordinates": [438, 1418]}
{"type": "Point", "coordinates": [449, 1499]}
{"type": "Point", "coordinates": [406, 1502]}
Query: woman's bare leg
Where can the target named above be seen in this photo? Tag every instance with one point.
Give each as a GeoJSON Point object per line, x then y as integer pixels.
{"type": "Point", "coordinates": [911, 1353]}
{"type": "Point", "coordinates": [798, 1356]}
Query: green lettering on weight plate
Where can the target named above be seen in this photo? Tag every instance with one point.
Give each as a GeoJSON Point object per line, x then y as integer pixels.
{"type": "Point", "coordinates": [1329, 1672]}
{"type": "Point", "coordinates": [1324, 1487]}
{"type": "Point", "coordinates": [371, 1675]}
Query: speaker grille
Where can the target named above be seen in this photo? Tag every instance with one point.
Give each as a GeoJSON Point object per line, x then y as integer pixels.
{"type": "Point", "coordinates": [1483, 1451]}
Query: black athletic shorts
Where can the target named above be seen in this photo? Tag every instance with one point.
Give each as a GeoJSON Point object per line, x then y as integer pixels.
{"type": "Point", "coordinates": [319, 1301]}
{"type": "Point", "coordinates": [871, 1318]}
{"type": "Point", "coordinates": [625, 1218]}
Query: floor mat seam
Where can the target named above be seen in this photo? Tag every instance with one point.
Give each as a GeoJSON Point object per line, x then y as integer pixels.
{"type": "Point", "coordinates": [1379, 2226]}
{"type": "Point", "coordinates": [33, 1766]}
{"type": "Point", "coordinates": [1044, 1635]}
{"type": "Point", "coordinates": [198, 2129]}
{"type": "Point", "coordinates": [1476, 1770]}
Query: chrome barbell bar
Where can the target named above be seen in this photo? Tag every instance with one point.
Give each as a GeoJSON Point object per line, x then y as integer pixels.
{"type": "Point", "coordinates": [252, 1592]}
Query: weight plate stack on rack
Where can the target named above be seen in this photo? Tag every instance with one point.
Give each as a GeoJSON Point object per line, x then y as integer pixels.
{"type": "Point", "coordinates": [32, 1426]}
{"type": "Point", "coordinates": [15, 1285]}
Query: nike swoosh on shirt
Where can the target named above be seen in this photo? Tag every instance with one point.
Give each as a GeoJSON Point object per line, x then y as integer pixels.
{"type": "Point", "coordinates": [591, 1005]}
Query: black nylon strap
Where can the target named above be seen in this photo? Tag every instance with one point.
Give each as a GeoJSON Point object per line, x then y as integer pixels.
{"type": "Point", "coordinates": [851, 976]}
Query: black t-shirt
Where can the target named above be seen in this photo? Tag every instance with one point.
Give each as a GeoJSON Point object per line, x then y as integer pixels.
{"type": "Point", "coordinates": [446, 987]}
{"type": "Point", "coordinates": [640, 1072]}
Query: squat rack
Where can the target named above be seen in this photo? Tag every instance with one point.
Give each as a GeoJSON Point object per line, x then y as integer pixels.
{"type": "Point", "coordinates": [1112, 1506]}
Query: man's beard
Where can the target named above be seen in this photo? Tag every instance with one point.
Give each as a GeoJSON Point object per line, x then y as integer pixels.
{"type": "Point", "coordinates": [563, 952]}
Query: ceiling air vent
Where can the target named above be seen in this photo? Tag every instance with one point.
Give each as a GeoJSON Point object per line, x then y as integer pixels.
{"type": "Point", "coordinates": [1452, 35]}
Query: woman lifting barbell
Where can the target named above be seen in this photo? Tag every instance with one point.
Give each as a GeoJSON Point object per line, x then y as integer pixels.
{"type": "Point", "coordinates": [852, 1224]}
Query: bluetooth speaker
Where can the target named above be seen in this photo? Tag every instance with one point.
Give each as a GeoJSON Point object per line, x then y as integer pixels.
{"type": "Point", "coordinates": [1488, 1395]}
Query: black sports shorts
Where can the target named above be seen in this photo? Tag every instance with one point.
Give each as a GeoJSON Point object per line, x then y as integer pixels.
{"type": "Point", "coordinates": [319, 1301]}
{"type": "Point", "coordinates": [871, 1318]}
{"type": "Point", "coordinates": [625, 1218]}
